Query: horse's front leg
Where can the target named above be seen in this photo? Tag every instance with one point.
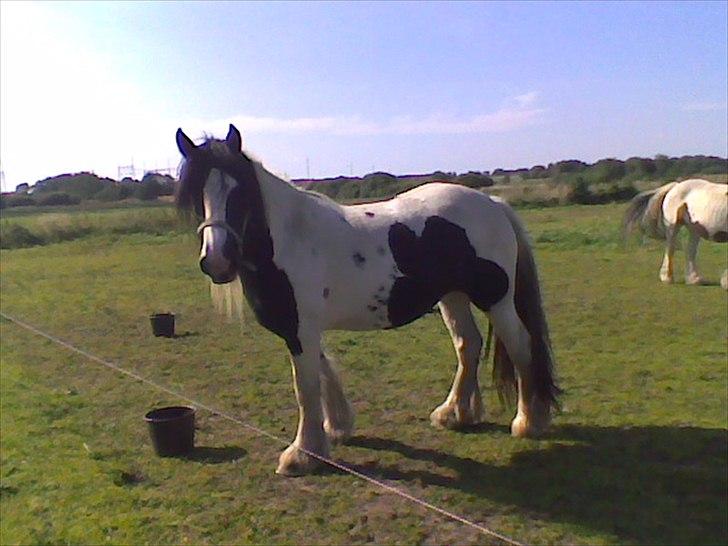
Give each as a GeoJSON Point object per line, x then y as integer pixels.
{"type": "Point", "coordinates": [298, 458]}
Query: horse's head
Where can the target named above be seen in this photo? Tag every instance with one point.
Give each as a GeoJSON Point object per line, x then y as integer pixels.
{"type": "Point", "coordinates": [215, 181]}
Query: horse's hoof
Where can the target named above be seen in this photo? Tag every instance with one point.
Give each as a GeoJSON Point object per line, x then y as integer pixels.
{"type": "Point", "coordinates": [694, 280]}
{"type": "Point", "coordinates": [294, 462]}
{"type": "Point", "coordinates": [451, 417]}
{"type": "Point", "coordinates": [666, 280]}
{"type": "Point", "coordinates": [337, 435]}
{"type": "Point", "coordinates": [522, 427]}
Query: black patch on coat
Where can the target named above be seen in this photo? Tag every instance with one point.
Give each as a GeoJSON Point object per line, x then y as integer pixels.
{"type": "Point", "coordinates": [359, 260]}
{"type": "Point", "coordinates": [439, 261]}
{"type": "Point", "coordinates": [720, 237]}
{"type": "Point", "coordinates": [370, 214]}
{"type": "Point", "coordinates": [372, 308]}
{"type": "Point", "coordinates": [266, 287]}
{"type": "Point", "coordinates": [326, 292]}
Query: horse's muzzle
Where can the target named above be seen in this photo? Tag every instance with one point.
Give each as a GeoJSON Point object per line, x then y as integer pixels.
{"type": "Point", "coordinates": [217, 276]}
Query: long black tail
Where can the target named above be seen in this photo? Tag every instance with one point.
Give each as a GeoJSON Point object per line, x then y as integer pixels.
{"type": "Point", "coordinates": [529, 306]}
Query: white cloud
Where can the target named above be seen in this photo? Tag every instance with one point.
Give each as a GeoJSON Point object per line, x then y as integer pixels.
{"type": "Point", "coordinates": [519, 112]}
{"type": "Point", "coordinates": [64, 108]}
{"type": "Point", "coordinates": [526, 99]}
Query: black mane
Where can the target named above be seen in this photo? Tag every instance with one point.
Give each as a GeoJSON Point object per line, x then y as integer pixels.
{"type": "Point", "coordinates": [212, 153]}
{"type": "Point", "coordinates": [266, 287]}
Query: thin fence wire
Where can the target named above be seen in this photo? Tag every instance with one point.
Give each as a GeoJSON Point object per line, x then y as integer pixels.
{"type": "Point", "coordinates": [334, 464]}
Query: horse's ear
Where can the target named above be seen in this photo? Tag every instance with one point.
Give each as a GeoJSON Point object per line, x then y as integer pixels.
{"type": "Point", "coordinates": [185, 145]}
{"type": "Point", "coordinates": [233, 140]}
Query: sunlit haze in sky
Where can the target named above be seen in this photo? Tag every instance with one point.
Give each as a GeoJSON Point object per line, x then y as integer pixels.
{"type": "Point", "coordinates": [327, 89]}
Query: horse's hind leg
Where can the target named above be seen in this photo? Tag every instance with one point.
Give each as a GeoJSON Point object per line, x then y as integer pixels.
{"type": "Point", "coordinates": [463, 406]}
{"type": "Point", "coordinates": [666, 271]}
{"type": "Point", "coordinates": [338, 415]}
{"type": "Point", "coordinates": [533, 416]}
{"type": "Point", "coordinates": [691, 267]}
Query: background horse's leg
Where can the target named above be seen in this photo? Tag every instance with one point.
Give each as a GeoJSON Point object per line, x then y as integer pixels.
{"type": "Point", "coordinates": [310, 435]}
{"type": "Point", "coordinates": [533, 415]}
{"type": "Point", "coordinates": [691, 267]}
{"type": "Point", "coordinates": [666, 271]}
{"type": "Point", "coordinates": [338, 414]}
{"type": "Point", "coordinates": [463, 406]}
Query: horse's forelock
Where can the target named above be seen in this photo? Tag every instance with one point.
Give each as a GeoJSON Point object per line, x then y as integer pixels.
{"type": "Point", "coordinates": [194, 170]}
{"type": "Point", "coordinates": [189, 189]}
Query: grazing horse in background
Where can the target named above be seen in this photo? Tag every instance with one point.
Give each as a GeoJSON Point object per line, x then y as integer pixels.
{"type": "Point", "coordinates": [307, 264]}
{"type": "Point", "coordinates": [699, 205]}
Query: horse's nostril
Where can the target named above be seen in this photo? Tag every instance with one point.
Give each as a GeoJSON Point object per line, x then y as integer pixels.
{"type": "Point", "coordinates": [203, 266]}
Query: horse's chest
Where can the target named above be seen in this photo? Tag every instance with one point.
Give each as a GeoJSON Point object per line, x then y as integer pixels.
{"type": "Point", "coordinates": [270, 294]}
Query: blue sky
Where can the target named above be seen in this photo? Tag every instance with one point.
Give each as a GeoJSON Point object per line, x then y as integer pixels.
{"type": "Point", "coordinates": [340, 88]}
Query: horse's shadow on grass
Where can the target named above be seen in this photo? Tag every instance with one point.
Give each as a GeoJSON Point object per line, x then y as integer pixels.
{"type": "Point", "coordinates": [649, 485]}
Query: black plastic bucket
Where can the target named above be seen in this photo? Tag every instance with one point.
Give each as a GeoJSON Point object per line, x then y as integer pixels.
{"type": "Point", "coordinates": [172, 430]}
{"type": "Point", "coordinates": [162, 324]}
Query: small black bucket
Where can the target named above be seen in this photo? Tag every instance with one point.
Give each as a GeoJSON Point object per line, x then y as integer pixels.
{"type": "Point", "coordinates": [172, 430]}
{"type": "Point", "coordinates": [162, 324]}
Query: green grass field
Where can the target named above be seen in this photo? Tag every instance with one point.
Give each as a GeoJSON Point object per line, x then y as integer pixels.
{"type": "Point", "coordinates": [638, 455]}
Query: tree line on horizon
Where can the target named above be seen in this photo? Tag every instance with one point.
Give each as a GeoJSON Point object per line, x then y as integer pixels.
{"type": "Point", "coordinates": [72, 189]}
{"type": "Point", "coordinates": [603, 181]}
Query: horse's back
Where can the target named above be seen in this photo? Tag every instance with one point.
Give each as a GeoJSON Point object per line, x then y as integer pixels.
{"type": "Point", "coordinates": [700, 203]}
{"type": "Point", "coordinates": [392, 260]}
{"type": "Point", "coordinates": [483, 218]}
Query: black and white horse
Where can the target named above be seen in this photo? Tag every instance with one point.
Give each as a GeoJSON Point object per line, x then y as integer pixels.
{"type": "Point", "coordinates": [307, 264]}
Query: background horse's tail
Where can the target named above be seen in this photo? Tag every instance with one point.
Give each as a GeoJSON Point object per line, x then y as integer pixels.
{"type": "Point", "coordinates": [529, 307]}
{"type": "Point", "coordinates": [645, 212]}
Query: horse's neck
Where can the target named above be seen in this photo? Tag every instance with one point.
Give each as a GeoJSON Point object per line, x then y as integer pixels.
{"type": "Point", "coordinates": [278, 195]}
{"type": "Point", "coordinates": [281, 199]}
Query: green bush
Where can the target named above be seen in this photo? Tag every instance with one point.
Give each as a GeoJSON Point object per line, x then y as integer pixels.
{"type": "Point", "coordinates": [13, 200]}
{"type": "Point", "coordinates": [55, 199]}
{"type": "Point", "coordinates": [80, 185]}
{"type": "Point", "coordinates": [474, 180]}
{"type": "Point", "coordinates": [148, 191]}
{"type": "Point", "coordinates": [17, 236]}
{"type": "Point", "coordinates": [115, 192]}
{"type": "Point", "coordinates": [583, 193]}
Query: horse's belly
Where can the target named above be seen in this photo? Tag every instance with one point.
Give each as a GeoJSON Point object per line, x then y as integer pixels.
{"type": "Point", "coordinates": [372, 315]}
